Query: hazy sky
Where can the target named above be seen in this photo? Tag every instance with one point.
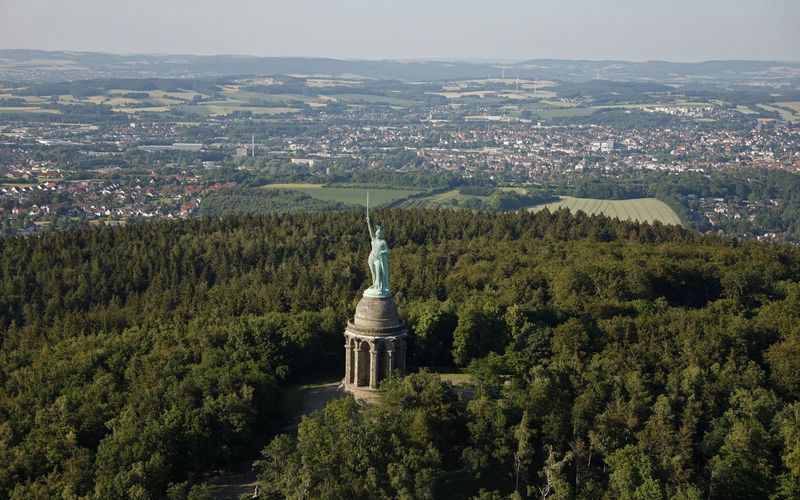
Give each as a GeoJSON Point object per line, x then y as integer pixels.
{"type": "Point", "coordinates": [676, 30]}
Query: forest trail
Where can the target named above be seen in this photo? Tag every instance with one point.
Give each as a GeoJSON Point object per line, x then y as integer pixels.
{"type": "Point", "coordinates": [234, 485]}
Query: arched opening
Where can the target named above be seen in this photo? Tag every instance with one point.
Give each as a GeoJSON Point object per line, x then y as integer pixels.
{"type": "Point", "coordinates": [380, 363]}
{"type": "Point", "coordinates": [362, 377]}
{"type": "Point", "coordinates": [390, 359]}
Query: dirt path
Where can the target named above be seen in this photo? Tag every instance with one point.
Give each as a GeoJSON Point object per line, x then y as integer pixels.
{"type": "Point", "coordinates": [315, 398]}
{"type": "Point", "coordinates": [243, 482]}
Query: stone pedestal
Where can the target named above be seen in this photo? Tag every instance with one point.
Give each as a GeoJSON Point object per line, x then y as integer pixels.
{"type": "Point", "coordinates": [375, 344]}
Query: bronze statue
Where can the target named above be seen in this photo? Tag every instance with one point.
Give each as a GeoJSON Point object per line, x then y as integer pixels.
{"type": "Point", "coordinates": [378, 261]}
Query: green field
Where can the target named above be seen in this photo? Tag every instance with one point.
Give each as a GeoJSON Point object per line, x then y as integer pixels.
{"type": "Point", "coordinates": [446, 197]}
{"type": "Point", "coordinates": [793, 105]}
{"type": "Point", "coordinates": [348, 196]}
{"type": "Point", "coordinates": [787, 113]}
{"type": "Point", "coordinates": [29, 109]}
{"type": "Point", "coordinates": [642, 209]}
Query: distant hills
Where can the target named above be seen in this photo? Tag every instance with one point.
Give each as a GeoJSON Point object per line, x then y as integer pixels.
{"type": "Point", "coordinates": [23, 65]}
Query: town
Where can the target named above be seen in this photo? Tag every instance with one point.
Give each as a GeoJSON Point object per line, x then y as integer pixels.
{"type": "Point", "coordinates": [130, 163]}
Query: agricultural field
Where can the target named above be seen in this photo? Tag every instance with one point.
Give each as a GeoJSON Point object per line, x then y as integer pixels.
{"type": "Point", "coordinates": [789, 111]}
{"type": "Point", "coordinates": [642, 209]}
{"type": "Point", "coordinates": [447, 197]}
{"type": "Point", "coordinates": [348, 196]}
{"type": "Point", "coordinates": [794, 106]}
{"type": "Point", "coordinates": [147, 109]}
{"type": "Point", "coordinates": [29, 109]}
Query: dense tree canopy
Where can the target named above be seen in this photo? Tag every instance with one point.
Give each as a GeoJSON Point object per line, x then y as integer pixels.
{"type": "Point", "coordinates": [607, 358]}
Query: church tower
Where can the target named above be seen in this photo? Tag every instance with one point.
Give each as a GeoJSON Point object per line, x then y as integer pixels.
{"type": "Point", "coordinates": [375, 338]}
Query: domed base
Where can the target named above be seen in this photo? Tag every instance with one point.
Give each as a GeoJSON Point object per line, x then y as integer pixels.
{"type": "Point", "coordinates": [376, 316]}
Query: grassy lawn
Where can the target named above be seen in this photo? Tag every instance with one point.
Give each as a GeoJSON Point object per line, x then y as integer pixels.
{"type": "Point", "coordinates": [348, 196]}
{"type": "Point", "coordinates": [642, 209]}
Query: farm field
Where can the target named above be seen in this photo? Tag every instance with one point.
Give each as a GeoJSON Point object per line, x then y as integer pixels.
{"type": "Point", "coordinates": [151, 109]}
{"type": "Point", "coordinates": [348, 196]}
{"type": "Point", "coordinates": [641, 209]}
{"type": "Point", "coordinates": [446, 197]}
{"type": "Point", "coordinates": [786, 113]}
{"type": "Point", "coordinates": [793, 105]}
{"type": "Point", "coordinates": [29, 109]}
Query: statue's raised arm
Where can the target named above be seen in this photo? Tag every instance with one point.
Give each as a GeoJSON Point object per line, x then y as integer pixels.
{"type": "Point", "coordinates": [369, 226]}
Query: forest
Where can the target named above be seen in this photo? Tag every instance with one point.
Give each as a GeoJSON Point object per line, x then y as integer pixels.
{"type": "Point", "coordinates": [607, 359]}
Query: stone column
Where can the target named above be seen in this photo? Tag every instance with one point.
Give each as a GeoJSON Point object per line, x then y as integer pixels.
{"type": "Point", "coordinates": [373, 366]}
{"type": "Point", "coordinates": [391, 359]}
{"type": "Point", "coordinates": [348, 355]}
{"type": "Point", "coordinates": [357, 365]}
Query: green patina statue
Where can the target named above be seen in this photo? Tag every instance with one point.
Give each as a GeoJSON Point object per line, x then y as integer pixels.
{"type": "Point", "coordinates": [378, 263]}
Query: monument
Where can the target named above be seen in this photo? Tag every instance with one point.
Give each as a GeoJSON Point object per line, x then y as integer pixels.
{"type": "Point", "coordinates": [375, 338]}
